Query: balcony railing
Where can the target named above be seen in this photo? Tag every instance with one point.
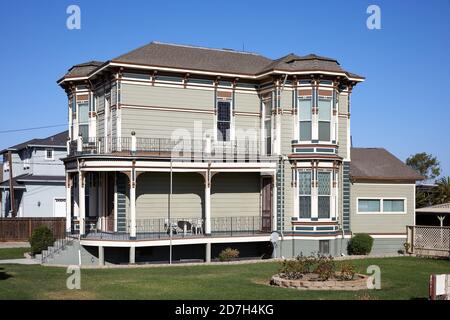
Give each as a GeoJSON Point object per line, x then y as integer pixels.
{"type": "Point", "coordinates": [190, 150]}
{"type": "Point", "coordinates": [163, 228]}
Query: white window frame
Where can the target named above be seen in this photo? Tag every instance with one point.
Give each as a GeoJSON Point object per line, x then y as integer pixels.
{"type": "Point", "coordinates": [298, 119]}
{"type": "Point", "coordinates": [331, 118]}
{"type": "Point", "coordinates": [405, 204]}
{"type": "Point", "coordinates": [311, 171]}
{"type": "Point", "coordinates": [53, 154]}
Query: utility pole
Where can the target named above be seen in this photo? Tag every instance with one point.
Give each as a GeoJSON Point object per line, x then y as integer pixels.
{"type": "Point", "coordinates": [11, 187]}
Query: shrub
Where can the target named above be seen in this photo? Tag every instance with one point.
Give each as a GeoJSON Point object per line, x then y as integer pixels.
{"type": "Point", "coordinates": [360, 244]}
{"type": "Point", "coordinates": [228, 254]}
{"type": "Point", "coordinates": [325, 267]}
{"type": "Point", "coordinates": [295, 269]}
{"type": "Point", "coordinates": [41, 239]}
{"type": "Point", "coordinates": [347, 271]}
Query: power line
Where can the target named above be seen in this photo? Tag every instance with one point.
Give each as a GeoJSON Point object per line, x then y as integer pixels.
{"type": "Point", "coordinates": [33, 128]}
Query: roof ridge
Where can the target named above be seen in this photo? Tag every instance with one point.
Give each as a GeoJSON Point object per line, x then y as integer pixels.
{"type": "Point", "coordinates": [208, 48]}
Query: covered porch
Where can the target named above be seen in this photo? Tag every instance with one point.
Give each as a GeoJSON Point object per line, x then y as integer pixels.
{"type": "Point", "coordinates": [149, 200]}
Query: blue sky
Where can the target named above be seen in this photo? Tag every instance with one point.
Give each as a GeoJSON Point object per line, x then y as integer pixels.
{"type": "Point", "coordinates": [402, 105]}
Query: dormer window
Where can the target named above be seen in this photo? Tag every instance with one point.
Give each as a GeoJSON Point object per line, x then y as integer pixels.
{"type": "Point", "coordinates": [49, 154]}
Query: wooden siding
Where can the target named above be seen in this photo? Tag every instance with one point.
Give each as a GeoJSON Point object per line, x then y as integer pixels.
{"type": "Point", "coordinates": [342, 137]}
{"type": "Point", "coordinates": [153, 190]}
{"type": "Point", "coordinates": [248, 125]}
{"type": "Point", "coordinates": [247, 102]}
{"type": "Point", "coordinates": [287, 133]}
{"type": "Point", "coordinates": [169, 97]}
{"type": "Point", "coordinates": [152, 123]}
{"type": "Point", "coordinates": [381, 223]}
{"type": "Point", "coordinates": [235, 194]}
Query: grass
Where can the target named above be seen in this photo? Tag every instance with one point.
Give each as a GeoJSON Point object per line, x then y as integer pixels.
{"type": "Point", "coordinates": [401, 278]}
{"type": "Point", "coordinates": [13, 253]}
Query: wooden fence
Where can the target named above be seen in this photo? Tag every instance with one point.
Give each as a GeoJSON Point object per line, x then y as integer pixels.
{"type": "Point", "coordinates": [20, 229]}
{"type": "Point", "coordinates": [429, 240]}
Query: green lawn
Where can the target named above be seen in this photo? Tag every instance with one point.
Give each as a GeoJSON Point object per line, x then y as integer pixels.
{"type": "Point", "coordinates": [13, 253]}
{"type": "Point", "coordinates": [401, 278]}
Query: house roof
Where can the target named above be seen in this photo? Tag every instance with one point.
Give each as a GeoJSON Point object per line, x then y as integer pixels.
{"type": "Point", "coordinates": [377, 164]}
{"type": "Point", "coordinates": [438, 208]}
{"type": "Point", "coordinates": [56, 140]}
{"type": "Point", "coordinates": [20, 180]}
{"type": "Point", "coordinates": [82, 69]}
{"type": "Point", "coordinates": [230, 61]}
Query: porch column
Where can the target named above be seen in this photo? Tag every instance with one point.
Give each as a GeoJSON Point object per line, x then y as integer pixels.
{"type": "Point", "coordinates": [68, 202]}
{"type": "Point", "coordinates": [208, 203]}
{"type": "Point", "coordinates": [132, 255]}
{"type": "Point", "coordinates": [208, 253]}
{"type": "Point", "coordinates": [133, 205]}
{"type": "Point", "coordinates": [101, 255]}
{"type": "Point", "coordinates": [81, 201]}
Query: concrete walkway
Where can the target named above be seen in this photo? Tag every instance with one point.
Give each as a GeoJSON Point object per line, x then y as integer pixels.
{"type": "Point", "coordinates": [14, 245]}
{"type": "Point", "coordinates": [20, 261]}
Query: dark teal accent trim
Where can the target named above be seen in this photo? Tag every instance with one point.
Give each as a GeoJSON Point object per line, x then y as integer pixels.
{"type": "Point", "coordinates": [314, 219]}
{"type": "Point", "coordinates": [294, 141]}
{"type": "Point", "coordinates": [315, 141]}
{"type": "Point", "coordinates": [304, 228]}
{"type": "Point", "coordinates": [169, 78]}
{"type": "Point", "coordinates": [346, 196]}
{"type": "Point", "coordinates": [200, 81]}
{"type": "Point", "coordinates": [304, 150]}
{"type": "Point", "coordinates": [133, 238]}
{"type": "Point", "coordinates": [121, 181]}
{"type": "Point", "coordinates": [326, 150]}
{"type": "Point", "coordinates": [294, 218]}
{"type": "Point", "coordinates": [325, 228]}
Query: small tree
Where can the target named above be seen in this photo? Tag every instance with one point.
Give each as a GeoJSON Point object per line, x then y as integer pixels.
{"type": "Point", "coordinates": [425, 164]}
{"type": "Point", "coordinates": [41, 239]}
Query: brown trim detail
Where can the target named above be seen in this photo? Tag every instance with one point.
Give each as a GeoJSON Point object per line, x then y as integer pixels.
{"type": "Point", "coordinates": [305, 92]}
{"type": "Point", "coordinates": [84, 97]}
{"type": "Point", "coordinates": [224, 94]}
{"type": "Point", "coordinates": [409, 180]}
{"type": "Point", "coordinates": [125, 106]}
{"type": "Point", "coordinates": [325, 93]}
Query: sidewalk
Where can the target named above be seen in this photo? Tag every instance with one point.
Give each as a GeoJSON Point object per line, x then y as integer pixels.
{"type": "Point", "coordinates": [20, 261]}
{"type": "Point", "coordinates": [21, 244]}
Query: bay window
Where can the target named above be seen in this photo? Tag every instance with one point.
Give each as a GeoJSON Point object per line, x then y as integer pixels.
{"type": "Point", "coordinates": [324, 105]}
{"type": "Point", "coordinates": [305, 118]}
{"type": "Point", "coordinates": [315, 195]}
{"type": "Point", "coordinates": [304, 198]}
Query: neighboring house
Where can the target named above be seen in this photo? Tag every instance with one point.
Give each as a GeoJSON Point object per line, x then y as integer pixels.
{"type": "Point", "coordinates": [265, 147]}
{"type": "Point", "coordinates": [38, 178]}
{"type": "Point", "coordinates": [436, 215]}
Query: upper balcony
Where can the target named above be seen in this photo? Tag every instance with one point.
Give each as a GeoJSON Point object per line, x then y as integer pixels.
{"type": "Point", "coordinates": [240, 150]}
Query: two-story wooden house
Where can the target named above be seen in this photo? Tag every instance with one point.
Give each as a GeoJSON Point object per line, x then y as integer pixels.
{"type": "Point", "coordinates": [37, 185]}
{"type": "Point", "coordinates": [202, 149]}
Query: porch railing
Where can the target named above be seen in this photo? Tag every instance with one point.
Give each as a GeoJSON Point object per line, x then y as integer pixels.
{"type": "Point", "coordinates": [159, 228]}
{"type": "Point", "coordinates": [236, 150]}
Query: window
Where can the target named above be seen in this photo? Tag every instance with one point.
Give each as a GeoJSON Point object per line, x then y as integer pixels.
{"type": "Point", "coordinates": [223, 120]}
{"type": "Point", "coordinates": [393, 205]}
{"type": "Point", "coordinates": [304, 180]}
{"type": "Point", "coordinates": [324, 119]}
{"type": "Point", "coordinates": [381, 206]}
{"type": "Point", "coordinates": [49, 154]}
{"type": "Point", "coordinates": [324, 246]}
{"type": "Point", "coordinates": [268, 125]}
{"type": "Point", "coordinates": [324, 191]}
{"type": "Point", "coordinates": [83, 120]}
{"type": "Point", "coordinates": [304, 106]}
{"type": "Point", "coordinates": [369, 205]}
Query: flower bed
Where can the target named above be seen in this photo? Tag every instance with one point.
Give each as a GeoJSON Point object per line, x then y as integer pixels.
{"type": "Point", "coordinates": [312, 282]}
{"type": "Point", "coordinates": [318, 273]}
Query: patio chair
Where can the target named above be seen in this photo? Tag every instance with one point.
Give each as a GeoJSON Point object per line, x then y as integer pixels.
{"type": "Point", "coordinates": [186, 226]}
{"type": "Point", "coordinates": [197, 226]}
{"type": "Point", "coordinates": [172, 225]}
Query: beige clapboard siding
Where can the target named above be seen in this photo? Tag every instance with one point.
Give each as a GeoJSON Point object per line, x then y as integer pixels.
{"type": "Point", "coordinates": [100, 100]}
{"type": "Point", "coordinates": [286, 99]}
{"type": "Point", "coordinates": [246, 102]}
{"type": "Point", "coordinates": [113, 94]}
{"type": "Point", "coordinates": [169, 97]}
{"type": "Point", "coordinates": [342, 137]}
{"type": "Point", "coordinates": [114, 122]}
{"type": "Point", "coordinates": [343, 103]}
{"type": "Point", "coordinates": [152, 195]}
{"type": "Point", "coordinates": [235, 194]}
{"type": "Point", "coordinates": [381, 223]}
{"type": "Point", "coordinates": [287, 134]}
{"type": "Point", "coordinates": [247, 126]}
{"type": "Point", "coordinates": [150, 123]}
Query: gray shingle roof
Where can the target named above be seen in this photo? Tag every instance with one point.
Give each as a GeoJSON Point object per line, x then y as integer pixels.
{"type": "Point", "coordinates": [438, 208]}
{"type": "Point", "coordinates": [58, 139]}
{"type": "Point", "coordinates": [82, 69]}
{"type": "Point", "coordinates": [198, 58]}
{"type": "Point", "coordinates": [379, 164]}
{"type": "Point", "coordinates": [213, 60]}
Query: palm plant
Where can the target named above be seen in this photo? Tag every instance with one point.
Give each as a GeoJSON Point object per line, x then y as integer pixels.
{"type": "Point", "coordinates": [442, 194]}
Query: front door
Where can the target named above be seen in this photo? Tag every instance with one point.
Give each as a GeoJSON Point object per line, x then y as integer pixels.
{"type": "Point", "coordinates": [266, 223]}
